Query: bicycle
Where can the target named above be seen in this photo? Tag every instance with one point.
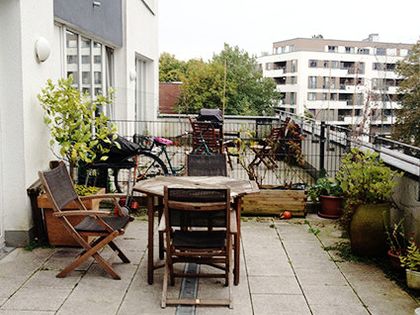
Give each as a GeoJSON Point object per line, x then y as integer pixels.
{"type": "Point", "coordinates": [147, 162]}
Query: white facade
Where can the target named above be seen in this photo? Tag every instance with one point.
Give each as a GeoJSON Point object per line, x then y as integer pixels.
{"type": "Point", "coordinates": [24, 148]}
{"type": "Point", "coordinates": [337, 81]}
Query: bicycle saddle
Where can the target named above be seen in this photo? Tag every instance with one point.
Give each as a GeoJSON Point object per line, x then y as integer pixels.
{"type": "Point", "coordinates": [163, 141]}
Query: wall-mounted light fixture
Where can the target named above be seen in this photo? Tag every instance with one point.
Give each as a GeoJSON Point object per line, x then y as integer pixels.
{"type": "Point", "coordinates": [42, 49]}
{"type": "Point", "coordinates": [132, 74]}
{"type": "Point", "coordinates": [96, 3]}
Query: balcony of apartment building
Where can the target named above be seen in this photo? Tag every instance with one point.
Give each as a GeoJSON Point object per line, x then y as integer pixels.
{"type": "Point", "coordinates": [275, 69]}
{"type": "Point", "coordinates": [353, 68]}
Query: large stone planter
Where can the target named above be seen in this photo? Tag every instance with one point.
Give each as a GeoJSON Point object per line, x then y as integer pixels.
{"type": "Point", "coordinates": [367, 232]}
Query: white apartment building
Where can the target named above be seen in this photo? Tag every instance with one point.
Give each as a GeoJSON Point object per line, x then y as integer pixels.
{"type": "Point", "coordinates": [104, 43]}
{"type": "Point", "coordinates": [338, 80]}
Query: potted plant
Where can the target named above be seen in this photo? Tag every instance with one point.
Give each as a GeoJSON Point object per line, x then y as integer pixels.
{"type": "Point", "coordinates": [77, 122]}
{"type": "Point", "coordinates": [411, 262]}
{"type": "Point", "coordinates": [367, 185]}
{"type": "Point", "coordinates": [397, 243]}
{"type": "Point", "coordinates": [329, 193]}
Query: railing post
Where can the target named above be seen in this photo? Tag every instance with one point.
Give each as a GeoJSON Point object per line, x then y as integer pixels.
{"type": "Point", "coordinates": [322, 150]}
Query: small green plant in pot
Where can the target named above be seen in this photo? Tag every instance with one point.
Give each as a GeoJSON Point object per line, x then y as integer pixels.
{"type": "Point", "coordinates": [397, 243]}
{"type": "Point", "coordinates": [367, 185]}
{"type": "Point", "coordinates": [411, 262]}
{"type": "Point", "coordinates": [329, 193]}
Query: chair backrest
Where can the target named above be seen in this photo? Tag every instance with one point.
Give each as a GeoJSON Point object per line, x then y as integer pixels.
{"type": "Point", "coordinates": [207, 132]}
{"type": "Point", "coordinates": [206, 165]}
{"type": "Point", "coordinates": [197, 207]}
{"type": "Point", "coordinates": [59, 187]}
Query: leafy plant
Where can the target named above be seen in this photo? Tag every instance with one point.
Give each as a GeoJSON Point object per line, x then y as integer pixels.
{"type": "Point", "coordinates": [76, 122]}
{"type": "Point", "coordinates": [83, 190]}
{"type": "Point", "coordinates": [396, 238]}
{"type": "Point", "coordinates": [364, 178]}
{"type": "Point", "coordinates": [324, 186]}
{"type": "Point", "coordinates": [411, 260]}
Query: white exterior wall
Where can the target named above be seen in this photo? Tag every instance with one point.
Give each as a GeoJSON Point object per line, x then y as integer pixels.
{"type": "Point", "coordinates": [24, 138]}
{"type": "Point", "coordinates": [140, 41]}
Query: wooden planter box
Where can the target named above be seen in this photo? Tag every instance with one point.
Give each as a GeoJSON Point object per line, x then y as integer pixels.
{"type": "Point", "coordinates": [57, 234]}
{"type": "Point", "coordinates": [275, 201]}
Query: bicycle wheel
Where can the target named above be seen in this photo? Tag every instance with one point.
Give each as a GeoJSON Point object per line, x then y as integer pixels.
{"type": "Point", "coordinates": [149, 165]}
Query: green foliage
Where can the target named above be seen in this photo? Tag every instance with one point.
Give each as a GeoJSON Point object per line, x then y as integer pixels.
{"type": "Point", "coordinates": [326, 187]}
{"type": "Point", "coordinates": [396, 237]}
{"type": "Point", "coordinates": [73, 124]}
{"type": "Point", "coordinates": [407, 127]}
{"type": "Point", "coordinates": [83, 190]}
{"type": "Point", "coordinates": [231, 79]}
{"type": "Point", "coordinates": [411, 260]}
{"type": "Point", "coordinates": [364, 178]}
{"type": "Point", "coordinates": [170, 68]}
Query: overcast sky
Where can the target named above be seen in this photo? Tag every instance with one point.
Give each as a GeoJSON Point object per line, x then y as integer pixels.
{"type": "Point", "coordinates": [198, 28]}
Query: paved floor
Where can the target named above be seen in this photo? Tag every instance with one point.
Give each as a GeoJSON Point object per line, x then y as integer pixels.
{"type": "Point", "coordinates": [284, 271]}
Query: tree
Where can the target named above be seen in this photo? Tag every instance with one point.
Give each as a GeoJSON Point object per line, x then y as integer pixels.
{"type": "Point", "coordinates": [231, 79]}
{"type": "Point", "coordinates": [170, 68]}
{"type": "Point", "coordinates": [407, 127]}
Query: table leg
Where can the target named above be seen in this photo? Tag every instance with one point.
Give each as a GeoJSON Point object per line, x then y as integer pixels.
{"type": "Point", "coordinates": [237, 241]}
{"type": "Point", "coordinates": [151, 223]}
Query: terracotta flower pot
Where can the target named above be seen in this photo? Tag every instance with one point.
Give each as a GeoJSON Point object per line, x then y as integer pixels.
{"type": "Point", "coordinates": [394, 260]}
{"type": "Point", "coordinates": [331, 207]}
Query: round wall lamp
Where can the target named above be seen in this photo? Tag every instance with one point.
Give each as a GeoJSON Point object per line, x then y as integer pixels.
{"type": "Point", "coordinates": [132, 74]}
{"type": "Point", "coordinates": [42, 49]}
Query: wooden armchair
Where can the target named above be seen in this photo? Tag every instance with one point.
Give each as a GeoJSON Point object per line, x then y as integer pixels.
{"type": "Point", "coordinates": [265, 152]}
{"type": "Point", "coordinates": [198, 229]}
{"type": "Point", "coordinates": [101, 225]}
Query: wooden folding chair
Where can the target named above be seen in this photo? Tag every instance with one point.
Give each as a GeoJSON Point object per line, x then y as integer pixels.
{"type": "Point", "coordinates": [101, 225]}
{"type": "Point", "coordinates": [265, 152]}
{"type": "Point", "coordinates": [198, 229]}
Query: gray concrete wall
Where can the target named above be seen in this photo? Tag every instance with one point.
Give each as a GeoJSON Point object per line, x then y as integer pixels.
{"type": "Point", "coordinates": [104, 21]}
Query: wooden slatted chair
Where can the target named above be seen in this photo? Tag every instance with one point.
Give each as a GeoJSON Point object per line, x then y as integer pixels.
{"type": "Point", "coordinates": [101, 225]}
{"type": "Point", "coordinates": [265, 152]}
{"type": "Point", "coordinates": [205, 135]}
{"type": "Point", "coordinates": [206, 165]}
{"type": "Point", "coordinates": [198, 229]}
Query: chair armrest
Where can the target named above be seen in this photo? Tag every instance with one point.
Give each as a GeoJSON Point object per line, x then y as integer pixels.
{"type": "Point", "coordinates": [233, 225]}
{"type": "Point", "coordinates": [103, 196]}
{"type": "Point", "coordinates": [81, 212]}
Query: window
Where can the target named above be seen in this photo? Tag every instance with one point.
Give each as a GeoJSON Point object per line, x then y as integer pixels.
{"type": "Point", "coordinates": [363, 51]}
{"type": "Point", "coordinates": [335, 64]}
{"type": "Point", "coordinates": [381, 51]}
{"type": "Point", "coordinates": [326, 82]}
{"type": "Point", "coordinates": [292, 98]}
{"type": "Point", "coordinates": [293, 65]}
{"type": "Point", "coordinates": [292, 80]}
{"type": "Point", "coordinates": [325, 63]}
{"type": "Point", "coordinates": [391, 51]}
{"type": "Point", "coordinates": [312, 82]}
{"type": "Point", "coordinates": [311, 96]}
{"type": "Point", "coordinates": [332, 48]}
{"type": "Point", "coordinates": [324, 96]}
{"type": "Point", "coordinates": [89, 62]}
{"type": "Point", "coordinates": [403, 52]}
{"type": "Point", "coordinates": [349, 50]}
{"type": "Point", "coordinates": [312, 63]}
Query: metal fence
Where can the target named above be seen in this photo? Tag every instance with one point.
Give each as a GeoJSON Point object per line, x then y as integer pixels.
{"type": "Point", "coordinates": [297, 162]}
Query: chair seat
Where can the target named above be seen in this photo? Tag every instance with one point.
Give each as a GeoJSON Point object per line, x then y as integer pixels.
{"type": "Point", "coordinates": [90, 224]}
{"type": "Point", "coordinates": [199, 239]}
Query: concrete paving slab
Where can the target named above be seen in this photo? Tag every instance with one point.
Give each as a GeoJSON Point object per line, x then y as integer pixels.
{"type": "Point", "coordinates": [355, 309]}
{"type": "Point", "coordinates": [34, 299]}
{"type": "Point", "coordinates": [330, 295]}
{"type": "Point", "coordinates": [274, 285]}
{"type": "Point", "coordinates": [16, 312]}
{"type": "Point", "coordinates": [274, 304]}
